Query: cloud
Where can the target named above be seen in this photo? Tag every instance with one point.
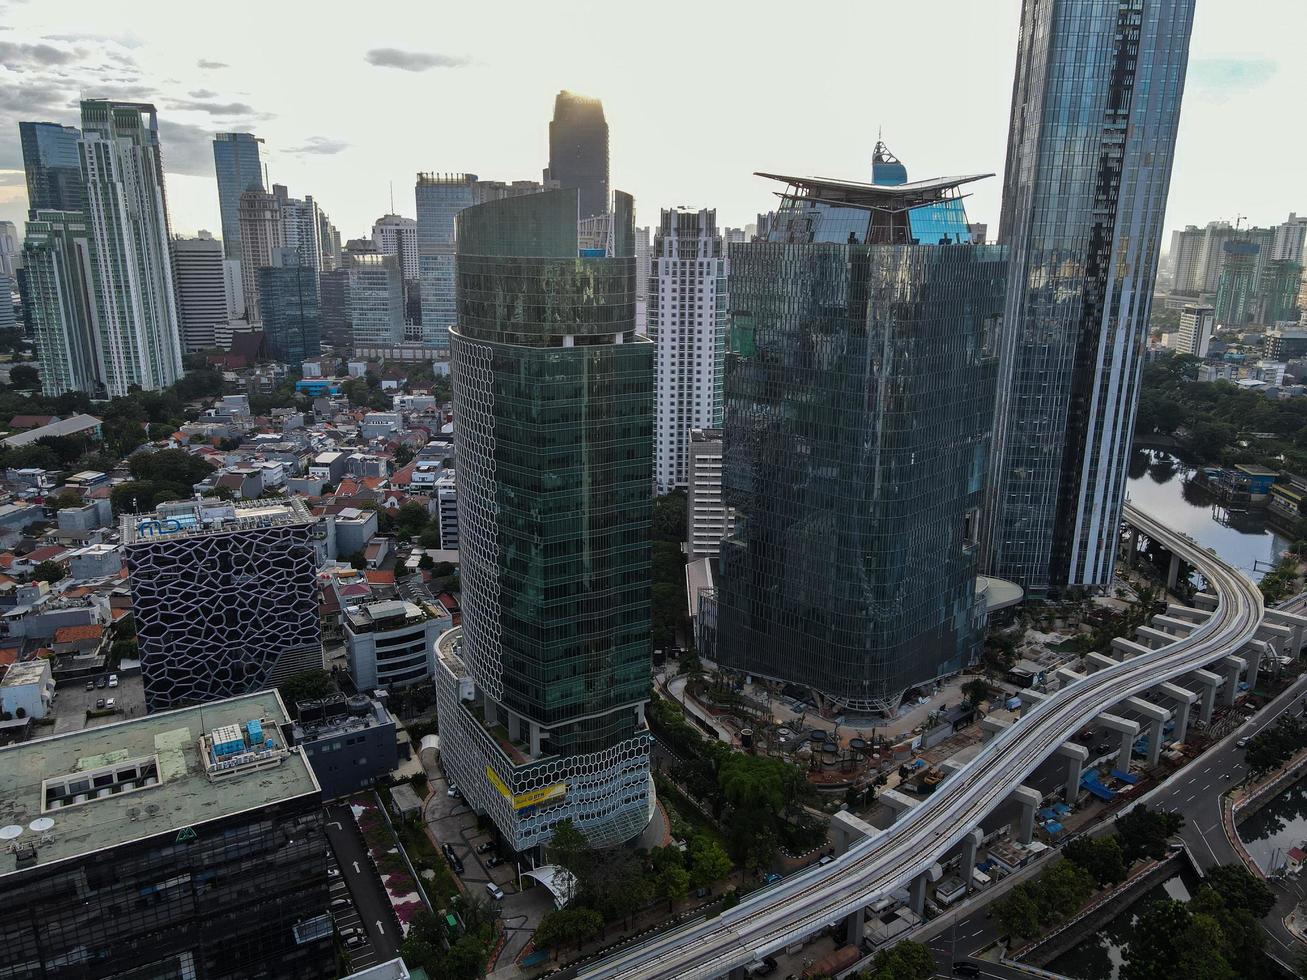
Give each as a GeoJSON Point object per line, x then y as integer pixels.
{"type": "Point", "coordinates": [413, 60]}
{"type": "Point", "coordinates": [1217, 79]}
{"type": "Point", "coordinates": [14, 55]}
{"type": "Point", "coordinates": [320, 144]}
{"type": "Point", "coordinates": [213, 108]}
{"type": "Point", "coordinates": [186, 149]}
{"type": "Point", "coordinates": [126, 40]}
{"type": "Point", "coordinates": [204, 63]}
{"type": "Point", "coordinates": [13, 178]}
{"type": "Point", "coordinates": [202, 93]}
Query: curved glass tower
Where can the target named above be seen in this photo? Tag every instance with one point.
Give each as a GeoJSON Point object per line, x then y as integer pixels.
{"type": "Point", "coordinates": [859, 399]}
{"type": "Point", "coordinates": [542, 692]}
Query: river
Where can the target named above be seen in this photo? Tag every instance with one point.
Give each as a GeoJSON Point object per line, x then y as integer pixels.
{"type": "Point", "coordinates": [1281, 824]}
{"type": "Point", "coordinates": [1159, 485]}
{"type": "Point", "coordinates": [1100, 956]}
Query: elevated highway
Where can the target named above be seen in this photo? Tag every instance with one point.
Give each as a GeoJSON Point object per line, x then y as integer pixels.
{"type": "Point", "coordinates": [806, 902]}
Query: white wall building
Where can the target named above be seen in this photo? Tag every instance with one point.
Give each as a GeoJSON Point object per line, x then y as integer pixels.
{"type": "Point", "coordinates": [687, 321]}
{"type": "Point", "coordinates": [1197, 324]}
{"type": "Point", "coordinates": [198, 270]}
{"type": "Point", "coordinates": [392, 643]}
{"type": "Point", "coordinates": [29, 687]}
{"type": "Point", "coordinates": [300, 227]}
{"type": "Point", "coordinates": [708, 519]}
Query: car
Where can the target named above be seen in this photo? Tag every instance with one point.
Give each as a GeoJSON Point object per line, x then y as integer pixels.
{"type": "Point", "coordinates": [99, 704]}
{"type": "Point", "coordinates": [486, 848]}
{"type": "Point", "coordinates": [1103, 747]}
{"type": "Point", "coordinates": [458, 866]}
{"type": "Point", "coordinates": [355, 942]}
{"type": "Point", "coordinates": [113, 680]}
{"type": "Point", "coordinates": [452, 791]}
{"type": "Point", "coordinates": [825, 860]}
{"type": "Point", "coordinates": [965, 968]}
{"type": "Point", "coordinates": [494, 861]}
{"type": "Point", "coordinates": [771, 879]}
{"type": "Point", "coordinates": [111, 704]}
{"type": "Point", "coordinates": [447, 849]}
{"type": "Point", "coordinates": [495, 891]}
{"type": "Point", "coordinates": [1243, 741]}
{"type": "Point", "coordinates": [340, 904]}
{"type": "Point", "coordinates": [333, 872]}
{"type": "Point", "coordinates": [102, 682]}
{"type": "Point", "coordinates": [90, 685]}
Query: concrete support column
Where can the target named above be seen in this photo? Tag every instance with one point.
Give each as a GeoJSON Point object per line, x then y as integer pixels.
{"type": "Point", "coordinates": [537, 734]}
{"type": "Point", "coordinates": [899, 803]}
{"type": "Point", "coordinates": [1187, 612]}
{"type": "Point", "coordinates": [1157, 717]}
{"type": "Point", "coordinates": [1182, 699]}
{"type": "Point", "coordinates": [989, 727]}
{"type": "Point", "coordinates": [1076, 756]}
{"type": "Point", "coordinates": [1173, 625]}
{"type": "Point", "coordinates": [1066, 677]}
{"type": "Point", "coordinates": [1296, 624]}
{"type": "Point", "coordinates": [1173, 573]}
{"type": "Point", "coordinates": [1129, 731]}
{"type": "Point", "coordinates": [1132, 548]}
{"type": "Point", "coordinates": [846, 829]}
{"type": "Point", "coordinates": [855, 927]}
{"type": "Point", "coordinates": [1029, 698]}
{"type": "Point", "coordinates": [1206, 600]}
{"type": "Point", "coordinates": [1209, 683]}
{"type": "Point", "coordinates": [1129, 648]}
{"type": "Point", "coordinates": [514, 727]}
{"type": "Point", "coordinates": [1231, 668]}
{"type": "Point", "coordinates": [1153, 637]}
{"type": "Point", "coordinates": [1098, 661]}
{"type": "Point", "coordinates": [1029, 800]}
{"type": "Point", "coordinates": [917, 890]}
{"type": "Point", "coordinates": [737, 973]}
{"type": "Point", "coordinates": [970, 845]}
{"type": "Point", "coordinates": [1253, 651]}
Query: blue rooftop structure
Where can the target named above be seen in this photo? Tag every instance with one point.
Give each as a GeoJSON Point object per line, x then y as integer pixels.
{"type": "Point", "coordinates": [932, 224]}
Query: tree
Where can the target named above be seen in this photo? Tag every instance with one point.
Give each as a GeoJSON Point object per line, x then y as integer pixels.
{"type": "Point", "coordinates": [426, 563]}
{"type": "Point", "coordinates": [1239, 888]}
{"type": "Point", "coordinates": [412, 518]}
{"type": "Point", "coordinates": [307, 685]}
{"type": "Point", "coordinates": [709, 863]}
{"type": "Point", "coordinates": [669, 517]}
{"type": "Point", "coordinates": [174, 467]}
{"type": "Point", "coordinates": [906, 960]}
{"type": "Point", "coordinates": [357, 561]}
{"type": "Point", "coordinates": [1018, 913]}
{"type": "Point", "coordinates": [1168, 942]}
{"type": "Point", "coordinates": [1144, 833]}
{"type": "Point", "coordinates": [563, 927]}
{"type": "Point", "coordinates": [673, 884]}
{"type": "Point", "coordinates": [24, 376]}
{"type": "Point", "coordinates": [1063, 889]}
{"type": "Point", "coordinates": [1100, 856]}
{"type": "Point", "coordinates": [403, 456]}
{"type": "Point", "coordinates": [976, 690]}
{"type": "Point", "coordinates": [65, 500]}
{"type": "Point", "coordinates": [49, 571]}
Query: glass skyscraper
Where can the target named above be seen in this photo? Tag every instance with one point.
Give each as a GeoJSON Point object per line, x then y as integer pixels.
{"type": "Point", "coordinates": [859, 401]}
{"type": "Point", "coordinates": [374, 299]}
{"type": "Point", "coordinates": [60, 308]}
{"type": "Point", "coordinates": [440, 197]}
{"type": "Point", "coordinates": [239, 169]}
{"type": "Point", "coordinates": [578, 150]}
{"type": "Point", "coordinates": [542, 691]}
{"type": "Point", "coordinates": [288, 297]}
{"type": "Point", "coordinates": [1094, 112]}
{"type": "Point", "coordinates": [54, 173]}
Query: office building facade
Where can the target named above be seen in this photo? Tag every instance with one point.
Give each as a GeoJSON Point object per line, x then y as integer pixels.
{"type": "Point", "coordinates": [224, 597]}
{"type": "Point", "coordinates": [136, 308]}
{"type": "Point", "coordinates": [1197, 324]}
{"type": "Point", "coordinates": [374, 298]}
{"type": "Point", "coordinates": [349, 741]}
{"type": "Point", "coordinates": [554, 647]}
{"type": "Point", "coordinates": [687, 323]}
{"type": "Point", "coordinates": [198, 275]}
{"type": "Point", "coordinates": [708, 519]}
{"type": "Point", "coordinates": [1082, 220]}
{"type": "Point", "coordinates": [60, 303]}
{"type": "Point", "coordinates": [394, 234]}
{"type": "Point", "coordinates": [301, 226]}
{"type": "Point", "coordinates": [852, 566]}
{"type": "Point", "coordinates": [185, 844]}
{"type": "Point", "coordinates": [261, 235]}
{"type": "Point", "coordinates": [578, 151]}
{"type": "Point", "coordinates": [288, 301]}
{"type": "Point", "coordinates": [239, 168]}
{"type": "Point", "coordinates": [440, 197]}
{"type": "Point", "coordinates": [390, 644]}
{"type": "Point", "coordinates": [52, 166]}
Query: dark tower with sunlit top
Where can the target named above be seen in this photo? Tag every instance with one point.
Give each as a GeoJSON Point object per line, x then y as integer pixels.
{"type": "Point", "coordinates": [578, 150]}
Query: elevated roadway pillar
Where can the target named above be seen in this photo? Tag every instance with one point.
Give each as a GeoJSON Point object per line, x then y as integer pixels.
{"type": "Point", "coordinates": [1098, 661]}
{"type": "Point", "coordinates": [1066, 676]}
{"type": "Point", "coordinates": [970, 845]}
{"type": "Point", "coordinates": [1295, 623]}
{"type": "Point", "coordinates": [1278, 639]}
{"type": "Point", "coordinates": [1153, 637]}
{"type": "Point", "coordinates": [846, 829]}
{"type": "Point", "coordinates": [1231, 668]}
{"type": "Point", "coordinates": [917, 890]}
{"type": "Point", "coordinates": [1129, 648]}
{"type": "Point", "coordinates": [855, 926]}
{"type": "Point", "coordinates": [1029, 698]}
{"type": "Point", "coordinates": [1129, 731]}
{"type": "Point", "coordinates": [989, 727]}
{"type": "Point", "coordinates": [1183, 700]}
{"type": "Point", "coordinates": [1253, 651]}
{"type": "Point", "coordinates": [1189, 613]}
{"type": "Point", "coordinates": [1157, 718]}
{"type": "Point", "coordinates": [1029, 799]}
{"type": "Point", "coordinates": [1076, 756]}
{"type": "Point", "coordinates": [1205, 600]}
{"type": "Point", "coordinates": [1173, 572]}
{"type": "Point", "coordinates": [1209, 682]}
{"type": "Point", "coordinates": [1173, 625]}
{"type": "Point", "coordinates": [899, 803]}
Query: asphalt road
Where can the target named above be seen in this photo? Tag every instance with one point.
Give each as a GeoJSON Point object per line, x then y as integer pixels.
{"type": "Point", "coordinates": [360, 876]}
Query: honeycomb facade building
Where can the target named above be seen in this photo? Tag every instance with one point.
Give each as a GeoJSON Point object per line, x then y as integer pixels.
{"type": "Point", "coordinates": [224, 597]}
{"type": "Point", "coordinates": [542, 691]}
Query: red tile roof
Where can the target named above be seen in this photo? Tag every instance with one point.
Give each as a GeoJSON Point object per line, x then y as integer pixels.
{"type": "Point", "coordinates": [75, 634]}
{"type": "Point", "coordinates": [49, 553]}
{"type": "Point", "coordinates": [376, 576]}
{"type": "Point", "coordinates": [31, 421]}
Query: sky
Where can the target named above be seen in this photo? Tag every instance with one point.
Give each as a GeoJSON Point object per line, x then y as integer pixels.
{"type": "Point", "coordinates": [354, 98]}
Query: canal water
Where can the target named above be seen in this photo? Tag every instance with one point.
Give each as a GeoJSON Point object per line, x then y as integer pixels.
{"type": "Point", "coordinates": [1100, 956]}
{"type": "Point", "coordinates": [1281, 824]}
{"type": "Point", "coordinates": [1160, 484]}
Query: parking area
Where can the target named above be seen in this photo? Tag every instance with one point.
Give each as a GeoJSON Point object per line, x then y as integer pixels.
{"type": "Point", "coordinates": [359, 906]}
{"type": "Point", "coordinates": [453, 823]}
{"type": "Point", "coordinates": [72, 702]}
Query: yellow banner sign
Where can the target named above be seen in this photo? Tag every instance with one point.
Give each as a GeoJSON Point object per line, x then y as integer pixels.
{"type": "Point", "coordinates": [534, 797]}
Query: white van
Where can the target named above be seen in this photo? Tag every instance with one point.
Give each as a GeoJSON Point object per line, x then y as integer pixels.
{"type": "Point", "coordinates": [496, 892]}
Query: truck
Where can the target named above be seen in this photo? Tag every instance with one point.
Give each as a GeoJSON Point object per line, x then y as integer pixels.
{"type": "Point", "coordinates": [833, 963]}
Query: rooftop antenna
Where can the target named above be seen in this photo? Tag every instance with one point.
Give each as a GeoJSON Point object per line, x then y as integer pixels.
{"type": "Point", "coordinates": [392, 197]}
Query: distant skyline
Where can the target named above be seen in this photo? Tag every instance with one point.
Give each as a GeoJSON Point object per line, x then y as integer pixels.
{"type": "Point", "coordinates": [349, 104]}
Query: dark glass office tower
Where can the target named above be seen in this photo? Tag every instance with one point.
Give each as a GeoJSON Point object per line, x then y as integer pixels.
{"type": "Point", "coordinates": [288, 299]}
{"type": "Point", "coordinates": [239, 169]}
{"type": "Point", "coordinates": [578, 150]}
{"type": "Point", "coordinates": [54, 172]}
{"type": "Point", "coordinates": [859, 401]}
{"type": "Point", "coordinates": [1094, 111]}
{"type": "Point", "coordinates": [542, 693]}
